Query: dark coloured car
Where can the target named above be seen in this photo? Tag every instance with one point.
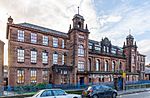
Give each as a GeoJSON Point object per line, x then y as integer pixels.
{"type": "Point", "coordinates": [99, 91]}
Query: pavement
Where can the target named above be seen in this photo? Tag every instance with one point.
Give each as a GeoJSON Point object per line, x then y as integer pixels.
{"type": "Point", "coordinates": [131, 91]}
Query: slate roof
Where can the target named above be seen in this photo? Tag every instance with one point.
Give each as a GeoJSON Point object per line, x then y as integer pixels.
{"type": "Point", "coordinates": [93, 41]}
{"type": "Point", "coordinates": [43, 29]}
{"type": "Point", "coordinates": [97, 42]}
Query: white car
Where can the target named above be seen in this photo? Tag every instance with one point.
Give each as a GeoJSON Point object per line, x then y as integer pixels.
{"type": "Point", "coordinates": [54, 93]}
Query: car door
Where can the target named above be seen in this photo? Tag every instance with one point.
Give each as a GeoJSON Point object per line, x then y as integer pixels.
{"type": "Point", "coordinates": [108, 92]}
{"type": "Point", "coordinates": [99, 91]}
{"type": "Point", "coordinates": [46, 94]}
{"type": "Point", "coordinates": [102, 92]}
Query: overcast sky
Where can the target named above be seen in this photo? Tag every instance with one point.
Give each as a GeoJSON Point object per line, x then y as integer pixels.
{"type": "Point", "coordinates": [105, 18]}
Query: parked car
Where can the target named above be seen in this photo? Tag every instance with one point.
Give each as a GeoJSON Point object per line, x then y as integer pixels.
{"type": "Point", "coordinates": [99, 91]}
{"type": "Point", "coordinates": [54, 93]}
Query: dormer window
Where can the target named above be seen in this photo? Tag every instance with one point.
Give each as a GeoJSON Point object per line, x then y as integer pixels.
{"type": "Point", "coordinates": [107, 49]}
{"type": "Point", "coordinates": [104, 48]}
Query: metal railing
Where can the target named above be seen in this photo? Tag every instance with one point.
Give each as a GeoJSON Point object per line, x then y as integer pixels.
{"type": "Point", "coordinates": [9, 90]}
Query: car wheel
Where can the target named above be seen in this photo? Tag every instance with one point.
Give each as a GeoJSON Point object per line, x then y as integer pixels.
{"type": "Point", "coordinates": [95, 96]}
{"type": "Point", "coordinates": [114, 95]}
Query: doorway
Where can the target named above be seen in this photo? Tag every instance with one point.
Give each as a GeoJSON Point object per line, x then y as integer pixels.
{"type": "Point", "coordinates": [81, 80]}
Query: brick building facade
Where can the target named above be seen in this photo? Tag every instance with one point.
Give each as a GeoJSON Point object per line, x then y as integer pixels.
{"type": "Point", "coordinates": [1, 64]}
{"type": "Point", "coordinates": [37, 54]}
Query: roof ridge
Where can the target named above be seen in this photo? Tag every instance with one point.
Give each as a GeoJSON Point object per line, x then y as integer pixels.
{"type": "Point", "coordinates": [44, 29]}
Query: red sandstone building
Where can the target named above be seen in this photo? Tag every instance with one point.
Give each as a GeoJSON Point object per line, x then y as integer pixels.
{"type": "Point", "coordinates": [37, 54]}
{"type": "Point", "coordinates": [1, 66]}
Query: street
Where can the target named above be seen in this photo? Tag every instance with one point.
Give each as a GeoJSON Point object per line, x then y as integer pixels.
{"type": "Point", "coordinates": [136, 95]}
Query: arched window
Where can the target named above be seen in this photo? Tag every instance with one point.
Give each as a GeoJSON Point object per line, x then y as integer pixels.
{"type": "Point", "coordinates": [120, 66]}
{"type": "Point", "coordinates": [113, 66]}
{"type": "Point", "coordinates": [107, 49]}
{"type": "Point", "coordinates": [106, 65]}
{"type": "Point", "coordinates": [80, 50]}
{"type": "Point", "coordinates": [97, 65]}
{"type": "Point", "coordinates": [79, 24]}
{"type": "Point", "coordinates": [89, 65]}
{"type": "Point", "coordinates": [63, 59]}
{"type": "Point", "coordinates": [104, 48]}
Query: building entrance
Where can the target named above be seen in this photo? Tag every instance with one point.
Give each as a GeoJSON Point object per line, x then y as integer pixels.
{"type": "Point", "coordinates": [81, 80]}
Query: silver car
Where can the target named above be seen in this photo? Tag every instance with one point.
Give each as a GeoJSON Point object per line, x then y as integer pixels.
{"type": "Point", "coordinates": [54, 93]}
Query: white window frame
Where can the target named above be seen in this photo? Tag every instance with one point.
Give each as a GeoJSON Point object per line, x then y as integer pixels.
{"type": "Point", "coordinates": [55, 42]}
{"type": "Point", "coordinates": [21, 35]}
{"type": "Point", "coordinates": [63, 59]}
{"type": "Point", "coordinates": [63, 43]}
{"type": "Point", "coordinates": [45, 57]}
{"type": "Point", "coordinates": [106, 66]}
{"type": "Point", "coordinates": [33, 74]}
{"type": "Point", "coordinates": [81, 66]}
{"type": "Point", "coordinates": [55, 58]}
{"type": "Point", "coordinates": [45, 40]}
{"type": "Point", "coordinates": [33, 38]}
{"type": "Point", "coordinates": [33, 56]}
{"type": "Point", "coordinates": [20, 76]}
{"type": "Point", "coordinates": [97, 65]}
{"type": "Point", "coordinates": [81, 50]}
{"type": "Point", "coordinates": [20, 55]}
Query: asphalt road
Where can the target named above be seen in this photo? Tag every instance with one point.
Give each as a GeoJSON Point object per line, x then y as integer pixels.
{"type": "Point", "coordinates": [136, 95]}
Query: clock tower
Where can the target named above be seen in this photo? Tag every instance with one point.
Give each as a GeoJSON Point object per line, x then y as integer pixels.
{"type": "Point", "coordinates": [78, 48]}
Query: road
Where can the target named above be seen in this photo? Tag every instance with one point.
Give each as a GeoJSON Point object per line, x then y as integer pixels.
{"type": "Point", "coordinates": [136, 95]}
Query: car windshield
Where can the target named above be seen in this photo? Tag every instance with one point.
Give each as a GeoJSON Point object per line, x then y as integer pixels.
{"type": "Point", "coordinates": [36, 94]}
{"type": "Point", "coordinates": [47, 93]}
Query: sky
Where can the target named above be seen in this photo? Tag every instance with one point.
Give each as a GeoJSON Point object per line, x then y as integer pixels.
{"type": "Point", "coordinates": [105, 18]}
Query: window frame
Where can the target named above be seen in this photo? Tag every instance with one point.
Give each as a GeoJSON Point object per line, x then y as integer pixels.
{"type": "Point", "coordinates": [45, 57]}
{"type": "Point", "coordinates": [55, 58]}
{"type": "Point", "coordinates": [33, 76]}
{"type": "Point", "coordinates": [33, 56]}
{"type": "Point", "coordinates": [81, 50]}
{"type": "Point", "coordinates": [106, 66]}
{"type": "Point", "coordinates": [20, 35]}
{"type": "Point", "coordinates": [20, 55]}
{"type": "Point", "coordinates": [97, 65]}
{"type": "Point", "coordinates": [55, 42]}
{"type": "Point", "coordinates": [63, 43]}
{"type": "Point", "coordinates": [45, 75]}
{"type": "Point", "coordinates": [81, 66]}
{"type": "Point", "coordinates": [33, 38]}
{"type": "Point", "coordinates": [113, 66]}
{"type": "Point", "coordinates": [45, 40]}
{"type": "Point", "coordinates": [20, 76]}
{"type": "Point", "coordinates": [63, 59]}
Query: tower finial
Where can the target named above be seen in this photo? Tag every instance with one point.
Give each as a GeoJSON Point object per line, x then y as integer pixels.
{"type": "Point", "coordinates": [10, 20]}
{"type": "Point", "coordinates": [78, 9]}
{"type": "Point", "coordinates": [129, 31]}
